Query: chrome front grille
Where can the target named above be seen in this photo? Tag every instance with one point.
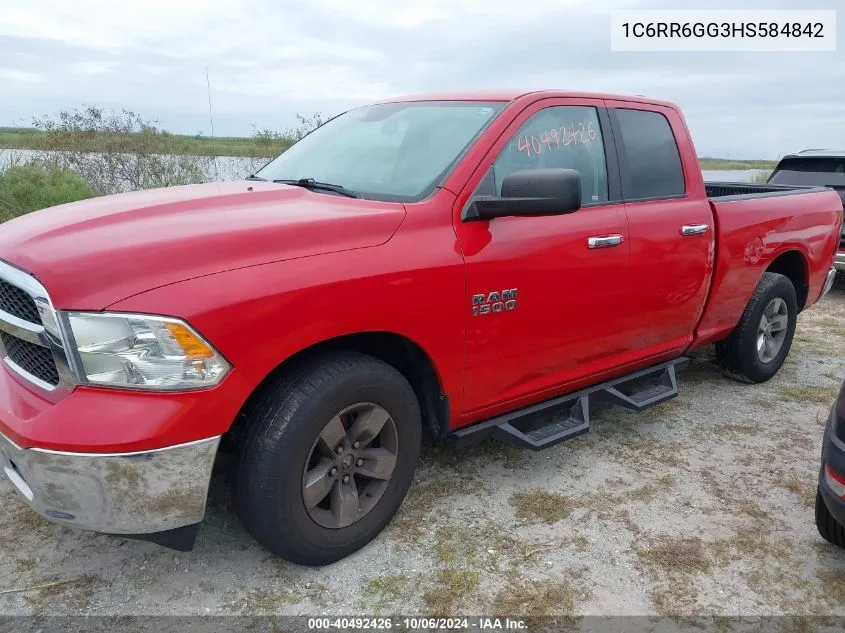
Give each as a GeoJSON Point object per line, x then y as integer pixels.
{"type": "Point", "coordinates": [32, 359]}
{"type": "Point", "coordinates": [31, 345]}
{"type": "Point", "coordinates": [17, 302]}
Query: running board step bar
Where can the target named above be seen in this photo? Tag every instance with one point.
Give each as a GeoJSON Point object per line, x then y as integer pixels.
{"type": "Point", "coordinates": [553, 421]}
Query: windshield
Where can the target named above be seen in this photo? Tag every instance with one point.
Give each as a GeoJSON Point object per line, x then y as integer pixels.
{"type": "Point", "coordinates": [391, 151]}
{"type": "Point", "coordinates": [827, 172]}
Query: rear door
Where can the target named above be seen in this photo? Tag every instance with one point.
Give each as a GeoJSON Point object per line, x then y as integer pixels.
{"type": "Point", "coordinates": [670, 224]}
{"type": "Point", "coordinates": [546, 301]}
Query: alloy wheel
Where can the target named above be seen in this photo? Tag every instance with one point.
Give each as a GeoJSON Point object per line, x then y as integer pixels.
{"type": "Point", "coordinates": [350, 465]}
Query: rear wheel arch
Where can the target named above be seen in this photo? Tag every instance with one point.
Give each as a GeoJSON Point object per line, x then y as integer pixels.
{"type": "Point", "coordinates": [792, 264]}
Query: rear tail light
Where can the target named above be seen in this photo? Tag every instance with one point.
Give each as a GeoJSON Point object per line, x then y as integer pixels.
{"type": "Point", "coordinates": [835, 481]}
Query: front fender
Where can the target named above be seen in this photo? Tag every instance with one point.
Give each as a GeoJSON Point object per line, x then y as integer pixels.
{"type": "Point", "coordinates": [260, 316]}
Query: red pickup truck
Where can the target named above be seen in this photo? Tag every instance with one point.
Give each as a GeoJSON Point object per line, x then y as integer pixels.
{"type": "Point", "coordinates": [427, 267]}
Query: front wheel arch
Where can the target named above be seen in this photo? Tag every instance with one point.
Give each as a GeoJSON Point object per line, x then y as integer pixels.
{"type": "Point", "coordinates": [398, 351]}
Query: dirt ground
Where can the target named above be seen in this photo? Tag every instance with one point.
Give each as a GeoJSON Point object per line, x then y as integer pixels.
{"type": "Point", "coordinates": [702, 505]}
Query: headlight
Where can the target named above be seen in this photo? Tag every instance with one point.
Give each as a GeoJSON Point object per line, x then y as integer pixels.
{"type": "Point", "coordinates": [143, 352]}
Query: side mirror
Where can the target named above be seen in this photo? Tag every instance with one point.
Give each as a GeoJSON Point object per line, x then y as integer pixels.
{"type": "Point", "coordinates": [531, 192]}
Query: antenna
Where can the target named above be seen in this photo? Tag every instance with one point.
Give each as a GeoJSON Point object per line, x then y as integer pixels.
{"type": "Point", "coordinates": [211, 120]}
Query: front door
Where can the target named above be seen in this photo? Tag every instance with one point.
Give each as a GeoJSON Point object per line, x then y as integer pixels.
{"type": "Point", "coordinates": [546, 295]}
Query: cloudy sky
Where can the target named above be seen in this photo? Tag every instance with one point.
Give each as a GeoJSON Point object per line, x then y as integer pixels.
{"type": "Point", "coordinates": [269, 59]}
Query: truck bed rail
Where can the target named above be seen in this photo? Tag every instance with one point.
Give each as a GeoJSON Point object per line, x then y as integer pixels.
{"type": "Point", "coordinates": [748, 189]}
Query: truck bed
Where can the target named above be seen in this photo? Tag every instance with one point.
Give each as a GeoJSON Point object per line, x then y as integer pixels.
{"type": "Point", "coordinates": [722, 191]}
{"type": "Point", "coordinates": [754, 225]}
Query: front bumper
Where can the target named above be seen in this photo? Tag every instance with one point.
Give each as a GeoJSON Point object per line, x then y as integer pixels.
{"type": "Point", "coordinates": [828, 282]}
{"type": "Point", "coordinates": [839, 262]}
{"type": "Point", "coordinates": [120, 493]}
{"type": "Point", "coordinates": [833, 454]}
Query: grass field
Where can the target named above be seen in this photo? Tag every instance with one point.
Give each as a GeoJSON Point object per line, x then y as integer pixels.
{"type": "Point", "coordinates": [730, 163]}
{"type": "Point", "coordinates": [183, 144]}
{"type": "Point", "coordinates": [31, 138]}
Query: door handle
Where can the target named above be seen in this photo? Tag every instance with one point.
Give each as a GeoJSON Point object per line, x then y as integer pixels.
{"type": "Point", "coordinates": [694, 229]}
{"type": "Point", "coordinates": [604, 241]}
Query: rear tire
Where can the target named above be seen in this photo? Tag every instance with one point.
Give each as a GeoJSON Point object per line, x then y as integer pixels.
{"type": "Point", "coordinates": [757, 347]}
{"type": "Point", "coordinates": [303, 422]}
{"type": "Point", "coordinates": [829, 529]}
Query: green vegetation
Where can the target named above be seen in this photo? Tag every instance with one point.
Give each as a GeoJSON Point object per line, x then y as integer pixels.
{"type": "Point", "coordinates": [391, 587]}
{"type": "Point", "coordinates": [266, 146]}
{"type": "Point", "coordinates": [264, 143]}
{"type": "Point", "coordinates": [26, 188]}
{"type": "Point", "coordinates": [687, 556]}
{"type": "Point", "coordinates": [93, 129]}
{"type": "Point", "coordinates": [535, 598]}
{"type": "Point", "coordinates": [91, 151]}
{"type": "Point", "coordinates": [19, 137]}
{"type": "Point", "coordinates": [452, 586]}
{"type": "Point", "coordinates": [166, 143]}
{"type": "Point", "coordinates": [729, 163]}
{"type": "Point", "coordinates": [542, 506]}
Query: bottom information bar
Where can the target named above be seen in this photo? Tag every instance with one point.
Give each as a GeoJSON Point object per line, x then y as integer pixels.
{"type": "Point", "coordinates": [297, 624]}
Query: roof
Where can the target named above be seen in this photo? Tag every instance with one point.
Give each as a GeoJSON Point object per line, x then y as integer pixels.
{"type": "Point", "coordinates": [512, 95]}
{"type": "Point", "coordinates": [819, 153]}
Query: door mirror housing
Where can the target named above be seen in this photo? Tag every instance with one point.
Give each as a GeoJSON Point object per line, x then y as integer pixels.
{"type": "Point", "coordinates": [531, 192]}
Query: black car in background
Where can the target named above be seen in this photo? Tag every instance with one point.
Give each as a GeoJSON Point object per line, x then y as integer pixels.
{"type": "Point", "coordinates": [823, 167]}
{"type": "Point", "coordinates": [815, 167]}
{"type": "Point", "coordinates": [830, 498]}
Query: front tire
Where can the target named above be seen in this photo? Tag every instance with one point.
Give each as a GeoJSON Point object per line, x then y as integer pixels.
{"type": "Point", "coordinates": [757, 347]}
{"type": "Point", "coordinates": [326, 457]}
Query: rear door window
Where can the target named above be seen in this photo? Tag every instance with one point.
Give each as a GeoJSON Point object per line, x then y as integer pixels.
{"type": "Point", "coordinates": [651, 155]}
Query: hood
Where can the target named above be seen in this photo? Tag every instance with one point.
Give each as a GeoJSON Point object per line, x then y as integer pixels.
{"type": "Point", "coordinates": [92, 253]}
